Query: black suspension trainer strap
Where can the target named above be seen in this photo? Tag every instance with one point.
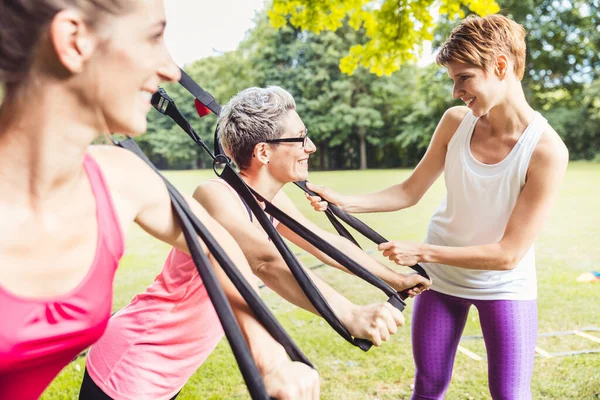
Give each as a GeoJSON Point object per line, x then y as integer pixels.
{"type": "Point", "coordinates": [166, 105]}
{"type": "Point", "coordinates": [334, 211]}
{"type": "Point", "coordinates": [191, 226]}
{"type": "Point", "coordinates": [313, 294]}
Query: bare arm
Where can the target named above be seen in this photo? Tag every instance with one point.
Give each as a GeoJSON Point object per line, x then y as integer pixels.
{"type": "Point", "coordinates": [269, 265]}
{"type": "Point", "coordinates": [141, 195]}
{"type": "Point", "coordinates": [546, 169]}
{"type": "Point", "coordinates": [409, 192]}
{"type": "Point", "coordinates": [398, 281]}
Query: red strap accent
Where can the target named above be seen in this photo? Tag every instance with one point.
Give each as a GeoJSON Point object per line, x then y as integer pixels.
{"type": "Point", "coordinates": [201, 108]}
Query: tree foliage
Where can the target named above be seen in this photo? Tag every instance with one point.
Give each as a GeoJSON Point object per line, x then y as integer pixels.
{"type": "Point", "coordinates": [364, 120]}
{"type": "Point", "coordinates": [395, 29]}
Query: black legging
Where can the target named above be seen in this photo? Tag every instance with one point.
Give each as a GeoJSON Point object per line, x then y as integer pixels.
{"type": "Point", "coordinates": [90, 391]}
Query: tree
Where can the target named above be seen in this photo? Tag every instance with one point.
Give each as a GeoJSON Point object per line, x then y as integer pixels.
{"type": "Point", "coordinates": [165, 142]}
{"type": "Point", "coordinates": [341, 111]}
{"type": "Point", "coordinates": [394, 29]}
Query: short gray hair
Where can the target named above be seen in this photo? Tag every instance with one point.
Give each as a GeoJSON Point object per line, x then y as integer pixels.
{"type": "Point", "coordinates": [252, 116]}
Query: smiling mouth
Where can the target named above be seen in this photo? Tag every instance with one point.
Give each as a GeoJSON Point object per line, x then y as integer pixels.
{"type": "Point", "coordinates": [468, 102]}
{"type": "Point", "coordinates": [303, 162]}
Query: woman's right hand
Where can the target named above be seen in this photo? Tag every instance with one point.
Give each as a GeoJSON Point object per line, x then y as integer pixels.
{"type": "Point", "coordinates": [293, 380]}
{"type": "Point", "coordinates": [323, 192]}
{"type": "Point", "coordinates": [374, 322]}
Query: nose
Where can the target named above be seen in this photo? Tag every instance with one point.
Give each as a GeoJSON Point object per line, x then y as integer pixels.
{"type": "Point", "coordinates": [457, 92]}
{"type": "Point", "coordinates": [170, 72]}
{"type": "Point", "coordinates": [310, 146]}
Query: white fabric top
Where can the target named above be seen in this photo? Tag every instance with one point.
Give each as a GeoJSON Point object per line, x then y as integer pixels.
{"type": "Point", "coordinates": [479, 201]}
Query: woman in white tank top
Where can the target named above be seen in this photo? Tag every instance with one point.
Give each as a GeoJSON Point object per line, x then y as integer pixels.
{"type": "Point", "coordinates": [502, 166]}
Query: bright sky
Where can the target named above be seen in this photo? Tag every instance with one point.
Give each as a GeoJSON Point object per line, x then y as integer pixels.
{"type": "Point", "coordinates": [197, 29]}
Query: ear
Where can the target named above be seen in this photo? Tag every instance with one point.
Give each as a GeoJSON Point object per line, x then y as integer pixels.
{"type": "Point", "coordinates": [72, 40]}
{"type": "Point", "coordinates": [262, 152]}
{"type": "Point", "coordinates": [502, 66]}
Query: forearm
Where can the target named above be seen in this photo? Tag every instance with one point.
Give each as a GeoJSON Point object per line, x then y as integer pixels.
{"type": "Point", "coordinates": [392, 198]}
{"type": "Point", "coordinates": [390, 276]}
{"type": "Point", "coordinates": [495, 256]}
{"type": "Point", "coordinates": [266, 351]}
{"type": "Point", "coordinates": [280, 279]}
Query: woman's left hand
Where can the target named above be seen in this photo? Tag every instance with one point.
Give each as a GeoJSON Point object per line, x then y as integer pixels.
{"type": "Point", "coordinates": [402, 253]}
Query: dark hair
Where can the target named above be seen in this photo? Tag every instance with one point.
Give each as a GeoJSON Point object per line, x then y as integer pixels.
{"type": "Point", "coordinates": [22, 23]}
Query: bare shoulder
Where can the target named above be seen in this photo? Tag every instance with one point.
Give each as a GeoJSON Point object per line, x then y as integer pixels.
{"type": "Point", "coordinates": [454, 115]}
{"type": "Point", "coordinates": [550, 155]}
{"type": "Point", "coordinates": [212, 190]}
{"type": "Point", "coordinates": [450, 122]}
{"type": "Point", "coordinates": [126, 174]}
{"type": "Point", "coordinates": [219, 200]}
{"type": "Point", "coordinates": [550, 148]}
{"type": "Point", "coordinates": [114, 158]}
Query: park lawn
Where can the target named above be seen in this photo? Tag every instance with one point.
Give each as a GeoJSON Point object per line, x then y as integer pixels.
{"type": "Point", "coordinates": [569, 246]}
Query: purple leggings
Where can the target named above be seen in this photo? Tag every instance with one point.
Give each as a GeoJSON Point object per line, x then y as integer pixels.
{"type": "Point", "coordinates": [509, 331]}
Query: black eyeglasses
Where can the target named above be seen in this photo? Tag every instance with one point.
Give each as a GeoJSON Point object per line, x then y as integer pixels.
{"type": "Point", "coordinates": [301, 139]}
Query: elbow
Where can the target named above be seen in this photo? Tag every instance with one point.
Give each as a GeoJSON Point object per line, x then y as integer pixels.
{"type": "Point", "coordinates": [412, 201]}
{"type": "Point", "coordinates": [507, 263]}
{"type": "Point", "coordinates": [267, 269]}
{"type": "Point", "coordinates": [509, 259]}
{"type": "Point", "coordinates": [411, 198]}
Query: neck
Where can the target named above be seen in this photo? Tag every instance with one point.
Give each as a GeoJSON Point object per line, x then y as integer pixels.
{"type": "Point", "coordinates": [262, 182]}
{"type": "Point", "coordinates": [44, 134]}
{"type": "Point", "coordinates": [512, 116]}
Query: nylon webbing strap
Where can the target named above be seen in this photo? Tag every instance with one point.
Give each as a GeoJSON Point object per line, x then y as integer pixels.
{"type": "Point", "coordinates": [308, 287]}
{"type": "Point", "coordinates": [192, 226]}
{"type": "Point", "coordinates": [195, 89]}
{"type": "Point", "coordinates": [202, 95]}
{"type": "Point", "coordinates": [306, 284]}
{"type": "Point", "coordinates": [205, 98]}
{"type": "Point", "coordinates": [357, 224]}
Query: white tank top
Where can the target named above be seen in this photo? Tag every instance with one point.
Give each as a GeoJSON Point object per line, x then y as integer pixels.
{"type": "Point", "coordinates": [478, 204]}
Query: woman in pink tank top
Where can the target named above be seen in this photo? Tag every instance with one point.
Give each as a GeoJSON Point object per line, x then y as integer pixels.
{"type": "Point", "coordinates": [72, 70]}
{"type": "Point", "coordinates": [159, 340]}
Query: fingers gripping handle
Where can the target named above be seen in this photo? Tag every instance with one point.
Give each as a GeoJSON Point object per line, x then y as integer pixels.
{"type": "Point", "coordinates": [365, 344]}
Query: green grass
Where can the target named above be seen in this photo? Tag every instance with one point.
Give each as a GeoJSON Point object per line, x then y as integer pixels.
{"type": "Point", "coordinates": [568, 246]}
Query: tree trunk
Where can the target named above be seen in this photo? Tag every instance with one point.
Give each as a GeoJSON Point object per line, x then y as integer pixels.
{"type": "Point", "coordinates": [362, 135]}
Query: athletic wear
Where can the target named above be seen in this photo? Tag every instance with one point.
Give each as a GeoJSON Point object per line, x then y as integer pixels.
{"type": "Point", "coordinates": [40, 336]}
{"type": "Point", "coordinates": [509, 330]}
{"type": "Point", "coordinates": [152, 346]}
{"type": "Point", "coordinates": [480, 199]}
{"type": "Point", "coordinates": [91, 391]}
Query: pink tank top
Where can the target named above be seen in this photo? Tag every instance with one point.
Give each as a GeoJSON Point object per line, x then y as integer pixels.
{"type": "Point", "coordinates": [153, 345]}
{"type": "Point", "coordinates": [39, 337]}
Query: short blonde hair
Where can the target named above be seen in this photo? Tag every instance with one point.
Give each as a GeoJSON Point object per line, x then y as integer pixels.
{"type": "Point", "coordinates": [252, 116]}
{"type": "Point", "coordinates": [478, 41]}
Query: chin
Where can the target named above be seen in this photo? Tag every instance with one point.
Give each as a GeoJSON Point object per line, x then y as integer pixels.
{"type": "Point", "coordinates": [302, 177]}
{"type": "Point", "coordinates": [132, 127]}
